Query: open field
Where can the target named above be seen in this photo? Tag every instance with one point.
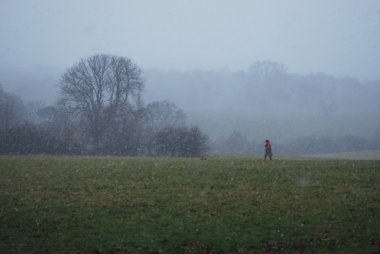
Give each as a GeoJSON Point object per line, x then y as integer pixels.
{"type": "Point", "coordinates": [169, 205]}
{"type": "Point", "coordinates": [363, 155]}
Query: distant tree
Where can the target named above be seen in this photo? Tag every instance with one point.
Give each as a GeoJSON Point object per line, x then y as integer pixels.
{"type": "Point", "coordinates": [163, 114]}
{"type": "Point", "coordinates": [26, 139]}
{"type": "Point", "coordinates": [197, 143]}
{"type": "Point", "coordinates": [12, 110]}
{"type": "Point", "coordinates": [180, 141]}
{"type": "Point", "coordinates": [166, 141]}
{"type": "Point", "coordinates": [12, 116]}
{"type": "Point", "coordinates": [100, 90]}
{"type": "Point", "coordinates": [157, 116]}
{"type": "Point", "coordinates": [33, 108]}
{"type": "Point", "coordinates": [65, 133]}
{"type": "Point", "coordinates": [263, 70]}
{"type": "Point", "coordinates": [46, 113]}
{"type": "Point", "coordinates": [126, 136]}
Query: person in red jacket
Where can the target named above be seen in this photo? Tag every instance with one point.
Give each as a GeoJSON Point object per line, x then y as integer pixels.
{"type": "Point", "coordinates": [268, 150]}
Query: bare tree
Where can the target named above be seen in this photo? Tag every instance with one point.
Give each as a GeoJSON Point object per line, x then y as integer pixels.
{"type": "Point", "coordinates": [99, 89]}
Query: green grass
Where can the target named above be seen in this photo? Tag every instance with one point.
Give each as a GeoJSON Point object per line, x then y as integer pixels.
{"type": "Point", "coordinates": [162, 205]}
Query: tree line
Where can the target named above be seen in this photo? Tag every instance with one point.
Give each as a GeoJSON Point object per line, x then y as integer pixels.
{"type": "Point", "coordinates": [100, 111]}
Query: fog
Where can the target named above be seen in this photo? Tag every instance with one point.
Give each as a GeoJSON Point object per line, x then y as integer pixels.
{"type": "Point", "coordinates": [243, 71]}
{"type": "Point", "coordinates": [278, 105]}
{"type": "Point", "coordinates": [336, 37]}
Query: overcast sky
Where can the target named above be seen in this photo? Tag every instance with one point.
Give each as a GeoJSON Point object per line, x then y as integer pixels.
{"type": "Point", "coordinates": [338, 37]}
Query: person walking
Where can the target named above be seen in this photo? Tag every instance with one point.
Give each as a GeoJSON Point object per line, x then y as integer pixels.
{"type": "Point", "coordinates": [268, 150]}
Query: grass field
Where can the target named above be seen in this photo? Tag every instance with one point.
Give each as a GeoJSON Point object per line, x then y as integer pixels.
{"type": "Point", "coordinates": [362, 155]}
{"type": "Point", "coordinates": [169, 205]}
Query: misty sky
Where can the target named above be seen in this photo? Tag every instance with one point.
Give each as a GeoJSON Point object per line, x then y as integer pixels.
{"type": "Point", "coordinates": [338, 37]}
